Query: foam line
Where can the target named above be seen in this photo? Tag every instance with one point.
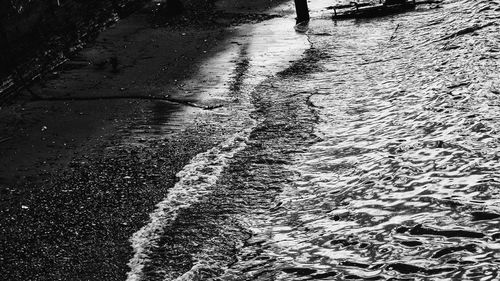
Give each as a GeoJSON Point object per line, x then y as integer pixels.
{"type": "Point", "coordinates": [194, 182]}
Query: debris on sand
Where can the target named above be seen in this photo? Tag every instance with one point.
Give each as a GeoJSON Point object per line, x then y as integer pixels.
{"type": "Point", "coordinates": [369, 10]}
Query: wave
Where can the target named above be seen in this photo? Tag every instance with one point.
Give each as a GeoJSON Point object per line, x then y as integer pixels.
{"type": "Point", "coordinates": [195, 182]}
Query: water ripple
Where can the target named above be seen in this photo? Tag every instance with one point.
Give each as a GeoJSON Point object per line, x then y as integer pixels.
{"type": "Point", "coordinates": [405, 182]}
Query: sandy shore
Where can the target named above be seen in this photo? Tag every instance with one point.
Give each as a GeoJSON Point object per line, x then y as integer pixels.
{"type": "Point", "coordinates": [81, 170]}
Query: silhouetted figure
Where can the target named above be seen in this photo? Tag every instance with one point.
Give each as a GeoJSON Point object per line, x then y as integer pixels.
{"type": "Point", "coordinates": [302, 11]}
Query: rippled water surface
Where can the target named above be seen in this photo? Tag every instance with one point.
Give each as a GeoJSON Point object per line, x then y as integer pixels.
{"type": "Point", "coordinates": [374, 156]}
{"type": "Point", "coordinates": [404, 182]}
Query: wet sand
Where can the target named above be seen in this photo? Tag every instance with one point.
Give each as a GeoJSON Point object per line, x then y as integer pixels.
{"type": "Point", "coordinates": [78, 177]}
{"type": "Point", "coordinates": [358, 149]}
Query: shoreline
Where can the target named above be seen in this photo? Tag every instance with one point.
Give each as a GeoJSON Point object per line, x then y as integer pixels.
{"type": "Point", "coordinates": [74, 192]}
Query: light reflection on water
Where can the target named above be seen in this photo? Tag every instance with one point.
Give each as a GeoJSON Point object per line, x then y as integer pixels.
{"type": "Point", "coordinates": [405, 182]}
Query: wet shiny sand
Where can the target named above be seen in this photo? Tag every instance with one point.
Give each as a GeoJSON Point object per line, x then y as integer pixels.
{"type": "Point", "coordinates": [359, 149]}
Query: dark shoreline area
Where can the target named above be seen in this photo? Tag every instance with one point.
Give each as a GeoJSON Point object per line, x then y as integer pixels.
{"type": "Point", "coordinates": [76, 182]}
{"type": "Point", "coordinates": [40, 37]}
{"type": "Point", "coordinates": [37, 37]}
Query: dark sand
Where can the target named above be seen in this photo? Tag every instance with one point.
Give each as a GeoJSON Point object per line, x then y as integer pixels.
{"type": "Point", "coordinates": [72, 193]}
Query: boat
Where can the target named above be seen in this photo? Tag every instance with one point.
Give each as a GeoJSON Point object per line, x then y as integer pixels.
{"type": "Point", "coordinates": [368, 10]}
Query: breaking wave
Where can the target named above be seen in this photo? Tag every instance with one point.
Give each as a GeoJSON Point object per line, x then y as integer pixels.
{"type": "Point", "coordinates": [194, 182]}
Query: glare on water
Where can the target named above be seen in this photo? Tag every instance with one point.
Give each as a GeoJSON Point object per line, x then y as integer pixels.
{"type": "Point", "coordinates": [374, 156]}
{"type": "Point", "coordinates": [405, 179]}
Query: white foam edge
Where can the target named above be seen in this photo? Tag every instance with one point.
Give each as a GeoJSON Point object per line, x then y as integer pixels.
{"type": "Point", "coordinates": [194, 272]}
{"type": "Point", "coordinates": [194, 182]}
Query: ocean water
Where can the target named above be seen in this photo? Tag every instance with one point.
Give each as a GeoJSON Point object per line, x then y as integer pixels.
{"type": "Point", "coordinates": [374, 156]}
